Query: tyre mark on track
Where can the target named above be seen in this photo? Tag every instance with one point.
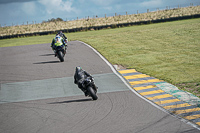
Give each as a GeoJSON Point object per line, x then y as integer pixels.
{"type": "Point", "coordinates": [90, 109]}
{"type": "Point", "coordinates": [110, 110]}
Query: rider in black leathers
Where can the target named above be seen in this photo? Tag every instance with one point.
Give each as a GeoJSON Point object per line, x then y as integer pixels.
{"type": "Point", "coordinates": [79, 78]}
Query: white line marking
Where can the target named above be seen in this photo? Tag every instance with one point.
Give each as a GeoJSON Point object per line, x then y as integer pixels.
{"type": "Point", "coordinates": [125, 82]}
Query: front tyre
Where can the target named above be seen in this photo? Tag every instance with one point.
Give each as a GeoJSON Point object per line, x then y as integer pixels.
{"type": "Point", "coordinates": [92, 93]}
{"type": "Point", "coordinates": [60, 56]}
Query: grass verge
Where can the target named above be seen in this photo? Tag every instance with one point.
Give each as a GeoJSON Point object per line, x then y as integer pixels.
{"type": "Point", "coordinates": [167, 51]}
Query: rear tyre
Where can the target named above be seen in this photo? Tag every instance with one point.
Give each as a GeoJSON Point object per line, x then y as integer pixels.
{"type": "Point", "coordinates": [92, 93]}
{"type": "Point", "coordinates": [60, 56]}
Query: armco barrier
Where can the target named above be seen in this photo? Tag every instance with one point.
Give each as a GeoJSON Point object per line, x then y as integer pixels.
{"type": "Point", "coordinates": [101, 27]}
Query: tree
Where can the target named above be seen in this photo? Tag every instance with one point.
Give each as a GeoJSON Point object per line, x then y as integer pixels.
{"type": "Point", "coordinates": [53, 20]}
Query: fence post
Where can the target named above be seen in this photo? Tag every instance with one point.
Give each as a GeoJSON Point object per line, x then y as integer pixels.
{"type": "Point", "coordinates": [105, 15]}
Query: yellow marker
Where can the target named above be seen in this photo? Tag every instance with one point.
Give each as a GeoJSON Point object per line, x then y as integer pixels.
{"type": "Point", "coordinates": [159, 97]}
{"type": "Point", "coordinates": [136, 76]}
{"type": "Point", "coordinates": [187, 110]}
{"type": "Point", "coordinates": [151, 92]}
{"type": "Point", "coordinates": [144, 87]}
{"type": "Point", "coordinates": [167, 101]}
{"type": "Point", "coordinates": [192, 117]}
{"type": "Point", "coordinates": [144, 81]}
{"type": "Point", "coordinates": [177, 106]}
{"type": "Point", "coordinates": [127, 71]}
{"type": "Point", "coordinates": [198, 123]}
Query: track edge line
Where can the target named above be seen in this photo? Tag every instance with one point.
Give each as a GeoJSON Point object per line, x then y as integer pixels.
{"type": "Point", "coordinates": [128, 85]}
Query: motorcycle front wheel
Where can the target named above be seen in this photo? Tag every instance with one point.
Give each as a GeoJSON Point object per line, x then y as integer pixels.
{"type": "Point", "coordinates": [92, 93]}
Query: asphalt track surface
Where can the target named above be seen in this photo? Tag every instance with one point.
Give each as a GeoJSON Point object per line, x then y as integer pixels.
{"type": "Point", "coordinates": [37, 95]}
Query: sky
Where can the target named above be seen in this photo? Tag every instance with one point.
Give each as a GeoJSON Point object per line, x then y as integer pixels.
{"type": "Point", "coordinates": [18, 12]}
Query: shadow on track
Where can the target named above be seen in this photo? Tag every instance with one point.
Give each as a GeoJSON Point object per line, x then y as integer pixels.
{"type": "Point", "coordinates": [47, 55]}
{"type": "Point", "coordinates": [48, 62]}
{"type": "Point", "coordinates": [71, 101]}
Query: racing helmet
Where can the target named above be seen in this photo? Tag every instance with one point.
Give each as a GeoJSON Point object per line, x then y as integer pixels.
{"type": "Point", "coordinates": [59, 33]}
{"type": "Point", "coordinates": [78, 68]}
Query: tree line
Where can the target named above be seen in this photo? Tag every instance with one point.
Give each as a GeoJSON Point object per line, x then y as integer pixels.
{"type": "Point", "coordinates": [53, 20]}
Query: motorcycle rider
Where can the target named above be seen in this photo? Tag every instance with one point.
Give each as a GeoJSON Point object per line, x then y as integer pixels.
{"type": "Point", "coordinates": [80, 76]}
{"type": "Point", "coordinates": [57, 41]}
{"type": "Point", "coordinates": [63, 36]}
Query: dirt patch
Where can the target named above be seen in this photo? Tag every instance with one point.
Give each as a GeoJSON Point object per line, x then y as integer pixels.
{"type": "Point", "coordinates": [193, 88]}
{"type": "Point", "coordinates": [119, 67]}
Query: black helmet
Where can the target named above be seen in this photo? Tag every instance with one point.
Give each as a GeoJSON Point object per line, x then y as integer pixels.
{"type": "Point", "coordinates": [78, 68]}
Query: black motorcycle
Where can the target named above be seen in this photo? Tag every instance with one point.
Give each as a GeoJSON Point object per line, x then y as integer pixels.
{"type": "Point", "coordinates": [60, 52]}
{"type": "Point", "coordinates": [90, 88]}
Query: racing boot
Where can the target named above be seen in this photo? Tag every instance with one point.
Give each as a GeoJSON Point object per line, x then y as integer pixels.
{"type": "Point", "coordinates": [55, 52]}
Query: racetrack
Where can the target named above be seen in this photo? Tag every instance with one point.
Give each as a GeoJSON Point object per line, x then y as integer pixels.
{"type": "Point", "coordinates": [37, 94]}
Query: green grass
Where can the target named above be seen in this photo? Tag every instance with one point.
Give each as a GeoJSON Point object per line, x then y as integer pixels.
{"type": "Point", "coordinates": [26, 41]}
{"type": "Point", "coordinates": [168, 51]}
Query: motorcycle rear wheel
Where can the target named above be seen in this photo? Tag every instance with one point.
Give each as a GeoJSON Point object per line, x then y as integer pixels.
{"type": "Point", "coordinates": [60, 56]}
{"type": "Point", "coordinates": [92, 93]}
